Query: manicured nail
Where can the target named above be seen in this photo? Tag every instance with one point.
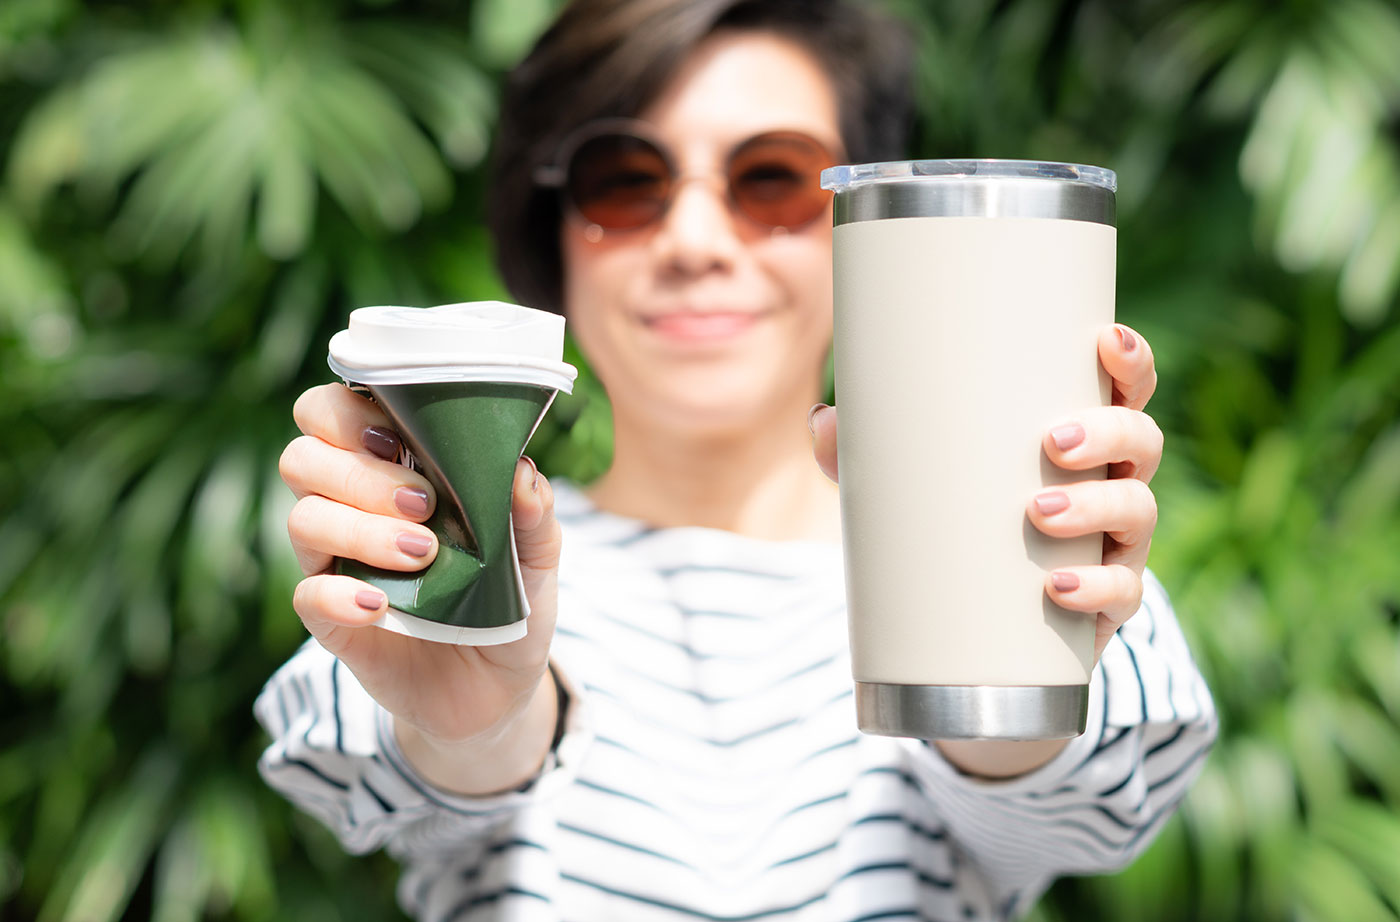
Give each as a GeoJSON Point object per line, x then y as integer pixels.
{"type": "Point", "coordinates": [812, 417]}
{"type": "Point", "coordinates": [413, 545]}
{"type": "Point", "coordinates": [1129, 340]}
{"type": "Point", "coordinates": [1051, 503]}
{"type": "Point", "coordinates": [535, 481]}
{"type": "Point", "coordinates": [411, 501]}
{"type": "Point", "coordinates": [1064, 582]}
{"type": "Point", "coordinates": [1066, 437]}
{"type": "Point", "coordinates": [380, 442]}
{"type": "Point", "coordinates": [369, 599]}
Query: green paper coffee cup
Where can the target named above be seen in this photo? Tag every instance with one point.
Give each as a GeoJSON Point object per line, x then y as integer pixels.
{"type": "Point", "coordinates": [464, 385]}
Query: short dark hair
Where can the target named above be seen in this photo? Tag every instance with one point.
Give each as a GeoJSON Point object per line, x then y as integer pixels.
{"type": "Point", "coordinates": [605, 58]}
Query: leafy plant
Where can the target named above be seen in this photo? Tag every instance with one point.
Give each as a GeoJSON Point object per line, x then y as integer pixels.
{"type": "Point", "coordinates": [194, 199]}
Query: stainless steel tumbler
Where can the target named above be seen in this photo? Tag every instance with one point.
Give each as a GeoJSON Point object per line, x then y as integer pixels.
{"type": "Point", "coordinates": [969, 297]}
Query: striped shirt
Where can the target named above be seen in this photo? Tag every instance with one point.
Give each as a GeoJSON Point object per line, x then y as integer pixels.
{"type": "Point", "coordinates": [711, 768]}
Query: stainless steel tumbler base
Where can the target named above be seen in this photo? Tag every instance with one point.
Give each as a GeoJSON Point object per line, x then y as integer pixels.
{"type": "Point", "coordinates": [952, 712]}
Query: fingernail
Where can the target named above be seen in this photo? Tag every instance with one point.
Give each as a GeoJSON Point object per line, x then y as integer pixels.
{"type": "Point", "coordinates": [413, 545]}
{"type": "Point", "coordinates": [1129, 340]}
{"type": "Point", "coordinates": [369, 600]}
{"type": "Point", "coordinates": [535, 481]}
{"type": "Point", "coordinates": [812, 417]}
{"type": "Point", "coordinates": [411, 501]}
{"type": "Point", "coordinates": [1064, 582]}
{"type": "Point", "coordinates": [380, 442]}
{"type": "Point", "coordinates": [1066, 437]}
{"type": "Point", "coordinates": [1051, 503]}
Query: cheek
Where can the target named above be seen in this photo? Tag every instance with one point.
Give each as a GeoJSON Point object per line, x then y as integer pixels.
{"type": "Point", "coordinates": [802, 266]}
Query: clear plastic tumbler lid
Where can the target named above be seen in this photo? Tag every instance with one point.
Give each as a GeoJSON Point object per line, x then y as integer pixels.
{"type": "Point", "coordinates": [841, 178]}
{"type": "Point", "coordinates": [972, 188]}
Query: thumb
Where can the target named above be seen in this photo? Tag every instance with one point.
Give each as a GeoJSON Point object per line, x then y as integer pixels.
{"type": "Point", "coordinates": [821, 419]}
{"type": "Point", "coordinates": [536, 529]}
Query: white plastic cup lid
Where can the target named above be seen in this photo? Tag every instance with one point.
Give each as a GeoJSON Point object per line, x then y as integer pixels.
{"type": "Point", "coordinates": [473, 341]}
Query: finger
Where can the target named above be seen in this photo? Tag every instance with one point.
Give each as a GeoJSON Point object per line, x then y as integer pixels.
{"type": "Point", "coordinates": [325, 602]}
{"type": "Point", "coordinates": [821, 420]}
{"type": "Point", "coordinates": [1129, 441]}
{"type": "Point", "coordinates": [312, 466]}
{"type": "Point", "coordinates": [537, 537]}
{"type": "Point", "coordinates": [1125, 510]}
{"type": "Point", "coordinates": [1128, 359]}
{"type": "Point", "coordinates": [345, 419]}
{"type": "Point", "coordinates": [1113, 592]}
{"type": "Point", "coordinates": [322, 528]}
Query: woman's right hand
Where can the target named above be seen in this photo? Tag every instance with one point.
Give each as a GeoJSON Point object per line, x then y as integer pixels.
{"type": "Point", "coordinates": [472, 719]}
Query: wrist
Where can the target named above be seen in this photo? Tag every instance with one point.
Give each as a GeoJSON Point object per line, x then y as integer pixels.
{"type": "Point", "coordinates": [494, 763]}
{"type": "Point", "coordinates": [999, 759]}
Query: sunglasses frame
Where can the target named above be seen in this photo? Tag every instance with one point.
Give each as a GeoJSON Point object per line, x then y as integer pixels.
{"type": "Point", "coordinates": [555, 175]}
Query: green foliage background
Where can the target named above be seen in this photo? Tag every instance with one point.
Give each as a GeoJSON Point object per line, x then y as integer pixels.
{"type": "Point", "coordinates": [194, 195]}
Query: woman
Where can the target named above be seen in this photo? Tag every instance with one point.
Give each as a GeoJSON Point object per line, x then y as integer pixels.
{"type": "Point", "coordinates": [683, 744]}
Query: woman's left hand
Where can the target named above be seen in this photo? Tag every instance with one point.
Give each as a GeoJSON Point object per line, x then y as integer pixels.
{"type": "Point", "coordinates": [1120, 436]}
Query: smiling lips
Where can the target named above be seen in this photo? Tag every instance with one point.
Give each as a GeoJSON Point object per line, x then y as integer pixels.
{"type": "Point", "coordinates": [694, 326]}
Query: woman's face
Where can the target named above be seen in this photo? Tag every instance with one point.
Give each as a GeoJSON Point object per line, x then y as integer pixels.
{"type": "Point", "coordinates": [704, 320]}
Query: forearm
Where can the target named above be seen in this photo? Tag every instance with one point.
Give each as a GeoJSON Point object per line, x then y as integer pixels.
{"type": "Point", "coordinates": [999, 758]}
{"type": "Point", "coordinates": [482, 767]}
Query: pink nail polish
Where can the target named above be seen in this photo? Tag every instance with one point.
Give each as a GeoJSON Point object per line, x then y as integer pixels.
{"type": "Point", "coordinates": [1067, 437]}
{"type": "Point", "coordinates": [369, 600]}
{"type": "Point", "coordinates": [411, 501]}
{"type": "Point", "coordinates": [812, 417]}
{"type": "Point", "coordinates": [413, 545]}
{"type": "Point", "coordinates": [1128, 339]}
{"type": "Point", "coordinates": [535, 480]}
{"type": "Point", "coordinates": [1052, 503]}
{"type": "Point", "coordinates": [1064, 582]}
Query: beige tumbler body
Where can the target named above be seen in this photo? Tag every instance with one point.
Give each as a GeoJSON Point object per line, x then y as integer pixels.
{"type": "Point", "coordinates": [960, 340]}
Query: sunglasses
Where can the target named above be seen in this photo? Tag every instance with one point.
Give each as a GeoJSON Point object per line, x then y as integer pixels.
{"type": "Point", "coordinates": [616, 177]}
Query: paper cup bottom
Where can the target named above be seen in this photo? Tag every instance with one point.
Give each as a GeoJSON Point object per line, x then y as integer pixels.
{"type": "Point", "coordinates": [401, 623]}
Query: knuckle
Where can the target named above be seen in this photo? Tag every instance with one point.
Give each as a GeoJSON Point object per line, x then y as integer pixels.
{"type": "Point", "coordinates": [306, 595]}
{"type": "Point", "coordinates": [294, 459]}
{"type": "Point", "coordinates": [364, 534]}
{"type": "Point", "coordinates": [303, 514]}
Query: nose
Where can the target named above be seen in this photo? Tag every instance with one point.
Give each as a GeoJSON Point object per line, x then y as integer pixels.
{"type": "Point", "coordinates": [697, 233]}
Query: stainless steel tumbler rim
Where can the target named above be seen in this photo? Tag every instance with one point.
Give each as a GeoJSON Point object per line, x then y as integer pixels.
{"type": "Point", "coordinates": [1031, 712]}
{"type": "Point", "coordinates": [978, 197]}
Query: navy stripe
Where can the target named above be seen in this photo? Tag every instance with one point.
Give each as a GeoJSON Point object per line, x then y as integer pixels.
{"type": "Point", "coordinates": [682, 643]}
{"type": "Point", "coordinates": [301, 699]}
{"type": "Point", "coordinates": [1165, 743]}
{"type": "Point", "coordinates": [804, 856]}
{"type": "Point", "coordinates": [687, 910]}
{"type": "Point", "coordinates": [303, 764]}
{"type": "Point", "coordinates": [628, 540]}
{"type": "Point", "coordinates": [282, 706]}
{"type": "Point", "coordinates": [1142, 686]}
{"type": "Point", "coordinates": [933, 835]}
{"type": "Point", "coordinates": [722, 743]}
{"type": "Point", "coordinates": [384, 804]}
{"type": "Point", "coordinates": [495, 848]}
{"type": "Point", "coordinates": [1194, 759]}
{"type": "Point", "coordinates": [595, 786]}
{"type": "Point", "coordinates": [492, 897]}
{"type": "Point", "coordinates": [630, 846]}
{"type": "Point", "coordinates": [889, 914]}
{"type": "Point", "coordinates": [335, 707]}
{"type": "Point", "coordinates": [922, 876]}
{"type": "Point", "coordinates": [669, 572]}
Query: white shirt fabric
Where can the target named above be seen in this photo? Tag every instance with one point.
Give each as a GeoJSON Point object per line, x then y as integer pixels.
{"type": "Point", "coordinates": [711, 767]}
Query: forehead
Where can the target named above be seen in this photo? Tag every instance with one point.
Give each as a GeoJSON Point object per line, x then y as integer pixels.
{"type": "Point", "coordinates": [736, 84]}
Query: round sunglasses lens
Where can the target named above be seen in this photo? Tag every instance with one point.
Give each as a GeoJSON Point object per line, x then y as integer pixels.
{"type": "Point", "coordinates": [776, 179]}
{"type": "Point", "coordinates": [619, 181]}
